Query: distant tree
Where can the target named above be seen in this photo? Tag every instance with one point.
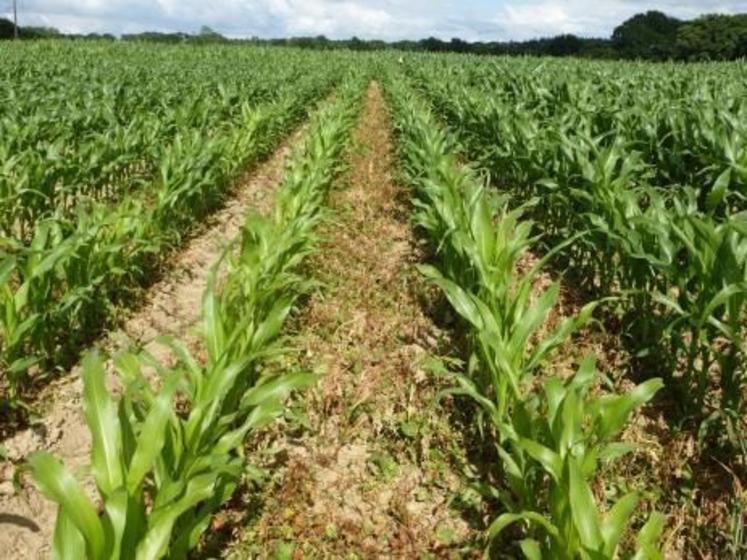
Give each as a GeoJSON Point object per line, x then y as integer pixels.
{"type": "Point", "coordinates": [564, 45]}
{"type": "Point", "coordinates": [458, 45]}
{"type": "Point", "coordinates": [713, 37]}
{"type": "Point", "coordinates": [357, 44]}
{"type": "Point", "coordinates": [322, 42]}
{"type": "Point", "coordinates": [6, 29]}
{"type": "Point", "coordinates": [157, 37]}
{"type": "Point", "coordinates": [100, 37]}
{"type": "Point", "coordinates": [39, 32]}
{"type": "Point", "coordinates": [209, 35]}
{"type": "Point", "coordinates": [741, 51]}
{"type": "Point", "coordinates": [304, 42]}
{"type": "Point", "coordinates": [652, 35]}
{"type": "Point", "coordinates": [432, 44]}
{"type": "Point", "coordinates": [598, 48]}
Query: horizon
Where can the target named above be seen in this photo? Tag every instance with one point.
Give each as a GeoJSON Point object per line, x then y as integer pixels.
{"type": "Point", "coordinates": [472, 20]}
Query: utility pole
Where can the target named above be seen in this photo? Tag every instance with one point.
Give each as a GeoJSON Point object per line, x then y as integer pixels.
{"type": "Point", "coordinates": [15, 19]}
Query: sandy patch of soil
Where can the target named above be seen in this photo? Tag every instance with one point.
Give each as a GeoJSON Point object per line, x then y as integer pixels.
{"type": "Point", "coordinates": [371, 474]}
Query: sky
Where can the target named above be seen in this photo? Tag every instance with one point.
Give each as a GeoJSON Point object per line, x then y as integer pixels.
{"type": "Point", "coordinates": [472, 20]}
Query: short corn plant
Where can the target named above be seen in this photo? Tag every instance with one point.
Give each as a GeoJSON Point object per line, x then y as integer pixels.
{"type": "Point", "coordinates": [549, 443]}
{"type": "Point", "coordinates": [61, 287]}
{"type": "Point", "coordinates": [654, 181]}
{"type": "Point", "coordinates": [168, 453]}
{"type": "Point", "coordinates": [551, 451]}
{"type": "Point", "coordinates": [160, 474]}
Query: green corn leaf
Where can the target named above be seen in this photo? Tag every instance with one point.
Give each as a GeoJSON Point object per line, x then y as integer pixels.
{"type": "Point", "coordinates": [613, 410]}
{"type": "Point", "coordinates": [270, 327]}
{"type": "Point", "coordinates": [531, 549]}
{"type": "Point", "coordinates": [46, 264]}
{"type": "Point", "coordinates": [615, 450]}
{"type": "Point", "coordinates": [535, 316]}
{"type": "Point", "coordinates": [616, 521]}
{"type": "Point", "coordinates": [460, 300]}
{"type": "Point", "coordinates": [156, 541]}
{"type": "Point", "coordinates": [117, 515]}
{"type": "Point", "coordinates": [509, 465]}
{"type": "Point", "coordinates": [130, 373]}
{"type": "Point", "coordinates": [260, 416]}
{"type": "Point", "coordinates": [21, 297]}
{"type": "Point", "coordinates": [152, 436]}
{"type": "Point", "coordinates": [22, 365]}
{"type": "Point", "coordinates": [586, 374]}
{"type": "Point", "coordinates": [719, 191]}
{"type": "Point", "coordinates": [205, 411]}
{"type": "Point", "coordinates": [721, 298]}
{"type": "Point", "coordinates": [68, 542]}
{"type": "Point", "coordinates": [277, 388]}
{"type": "Point", "coordinates": [503, 521]}
{"type": "Point", "coordinates": [7, 266]}
{"type": "Point", "coordinates": [193, 368]}
{"type": "Point", "coordinates": [670, 303]}
{"type": "Point", "coordinates": [26, 326]}
{"type": "Point", "coordinates": [648, 538]}
{"type": "Point", "coordinates": [583, 508]}
{"type": "Point", "coordinates": [468, 388]}
{"type": "Point", "coordinates": [215, 337]}
{"type": "Point", "coordinates": [59, 485]}
{"type": "Point", "coordinates": [190, 536]}
{"type": "Point", "coordinates": [571, 419]}
{"type": "Point", "coordinates": [560, 335]}
{"type": "Point", "coordinates": [101, 416]}
{"type": "Point", "coordinates": [554, 395]}
{"type": "Point", "coordinates": [550, 460]}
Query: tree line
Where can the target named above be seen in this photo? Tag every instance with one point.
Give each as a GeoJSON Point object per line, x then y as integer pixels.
{"type": "Point", "coordinates": [649, 36]}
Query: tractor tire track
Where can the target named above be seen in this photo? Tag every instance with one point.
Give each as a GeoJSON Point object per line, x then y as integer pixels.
{"type": "Point", "coordinates": [372, 475]}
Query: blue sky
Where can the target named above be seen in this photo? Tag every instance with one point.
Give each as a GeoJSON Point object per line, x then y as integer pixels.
{"type": "Point", "coordinates": [387, 19]}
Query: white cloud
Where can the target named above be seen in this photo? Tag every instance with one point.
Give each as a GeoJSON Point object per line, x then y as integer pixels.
{"type": "Point", "coordinates": [387, 19]}
{"type": "Point", "coordinates": [535, 20]}
{"type": "Point", "coordinates": [530, 19]}
{"type": "Point", "coordinates": [312, 17]}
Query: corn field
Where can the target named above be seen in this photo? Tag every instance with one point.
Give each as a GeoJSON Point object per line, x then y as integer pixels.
{"type": "Point", "coordinates": [102, 176]}
{"type": "Point", "coordinates": [648, 176]}
{"type": "Point", "coordinates": [582, 232]}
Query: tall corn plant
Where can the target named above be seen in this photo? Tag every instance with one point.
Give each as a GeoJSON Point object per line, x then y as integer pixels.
{"type": "Point", "coordinates": [549, 443]}
{"type": "Point", "coordinates": [168, 453]}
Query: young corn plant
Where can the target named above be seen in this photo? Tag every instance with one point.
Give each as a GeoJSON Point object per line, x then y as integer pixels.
{"type": "Point", "coordinates": [58, 289]}
{"type": "Point", "coordinates": [559, 437]}
{"type": "Point", "coordinates": [169, 452]}
{"type": "Point", "coordinates": [549, 443]}
{"type": "Point", "coordinates": [651, 179]}
{"type": "Point", "coordinates": [708, 304]}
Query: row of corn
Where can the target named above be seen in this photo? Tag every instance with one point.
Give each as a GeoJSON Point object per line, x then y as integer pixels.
{"type": "Point", "coordinates": [93, 122]}
{"type": "Point", "coordinates": [167, 453]}
{"type": "Point", "coordinates": [65, 282]}
{"type": "Point", "coordinates": [686, 123]}
{"type": "Point", "coordinates": [648, 177]}
{"type": "Point", "coordinates": [550, 434]}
